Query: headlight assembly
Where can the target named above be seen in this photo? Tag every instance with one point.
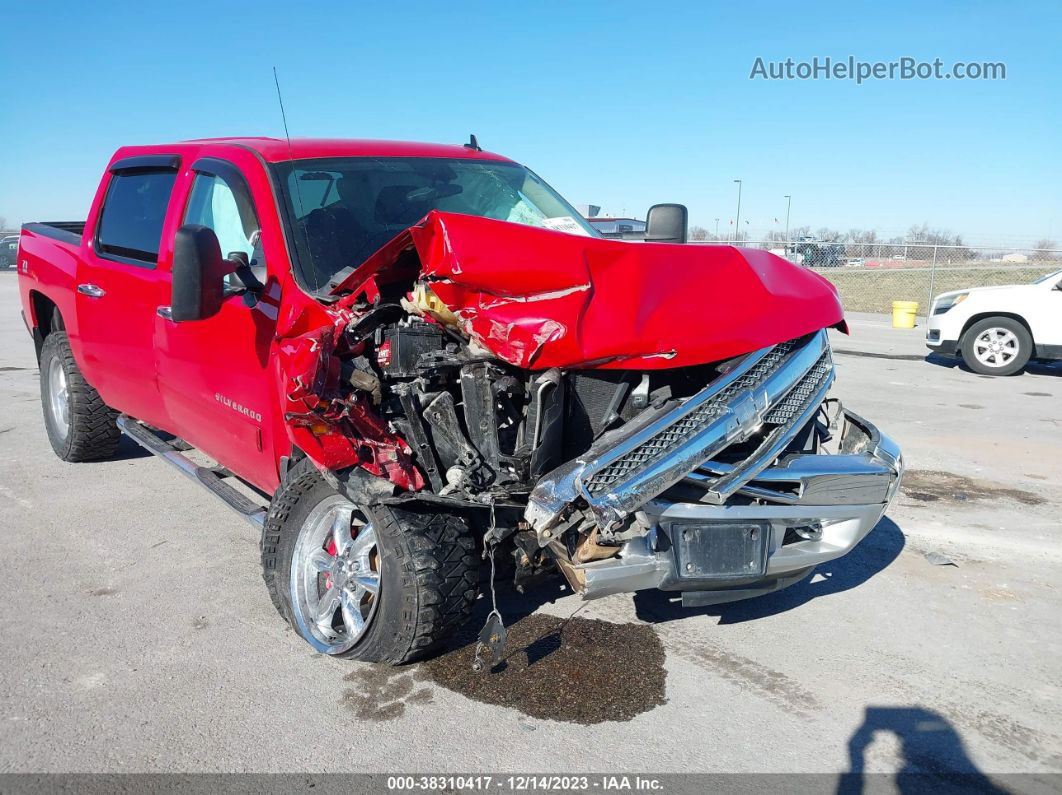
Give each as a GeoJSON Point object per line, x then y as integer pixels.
{"type": "Point", "coordinates": [947, 302]}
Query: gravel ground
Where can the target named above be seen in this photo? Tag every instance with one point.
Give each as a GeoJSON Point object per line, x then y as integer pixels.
{"type": "Point", "coordinates": [138, 636]}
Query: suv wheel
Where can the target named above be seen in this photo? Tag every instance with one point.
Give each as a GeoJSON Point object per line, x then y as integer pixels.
{"type": "Point", "coordinates": [369, 583]}
{"type": "Point", "coordinates": [997, 346]}
{"type": "Point", "coordinates": [81, 427]}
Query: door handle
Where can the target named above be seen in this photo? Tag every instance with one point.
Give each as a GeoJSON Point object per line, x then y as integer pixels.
{"type": "Point", "coordinates": [164, 312]}
{"type": "Point", "coordinates": [91, 290]}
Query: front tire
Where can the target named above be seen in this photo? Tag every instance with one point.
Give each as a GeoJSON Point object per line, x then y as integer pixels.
{"type": "Point", "coordinates": [997, 346]}
{"type": "Point", "coordinates": [81, 427]}
{"type": "Point", "coordinates": [370, 583]}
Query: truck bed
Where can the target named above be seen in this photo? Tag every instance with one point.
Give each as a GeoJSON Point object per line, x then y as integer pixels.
{"type": "Point", "coordinates": [67, 231]}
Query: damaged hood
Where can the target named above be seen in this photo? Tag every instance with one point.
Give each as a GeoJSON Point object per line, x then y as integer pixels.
{"type": "Point", "coordinates": [537, 298]}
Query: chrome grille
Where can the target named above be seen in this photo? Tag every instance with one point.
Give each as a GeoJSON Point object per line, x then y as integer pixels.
{"type": "Point", "coordinates": [627, 467]}
{"type": "Point", "coordinates": [695, 421]}
{"type": "Point", "coordinates": [796, 401]}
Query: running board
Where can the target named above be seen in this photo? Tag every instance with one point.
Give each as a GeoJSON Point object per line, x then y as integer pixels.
{"type": "Point", "coordinates": [203, 476]}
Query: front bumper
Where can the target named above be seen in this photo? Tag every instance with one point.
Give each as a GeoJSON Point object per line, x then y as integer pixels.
{"type": "Point", "coordinates": [942, 335]}
{"type": "Point", "coordinates": [834, 500]}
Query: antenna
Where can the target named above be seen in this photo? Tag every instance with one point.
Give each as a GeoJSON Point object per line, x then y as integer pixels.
{"type": "Point", "coordinates": [283, 115]}
{"type": "Point", "coordinates": [287, 137]}
{"type": "Point", "coordinates": [291, 159]}
{"type": "Point", "coordinates": [473, 144]}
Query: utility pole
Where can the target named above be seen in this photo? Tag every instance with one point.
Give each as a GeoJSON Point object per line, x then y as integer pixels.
{"type": "Point", "coordinates": [788, 204]}
{"type": "Point", "coordinates": [737, 219]}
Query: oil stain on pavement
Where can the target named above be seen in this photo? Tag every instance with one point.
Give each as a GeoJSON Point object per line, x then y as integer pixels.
{"type": "Point", "coordinates": [928, 486]}
{"type": "Point", "coordinates": [381, 692]}
{"type": "Point", "coordinates": [575, 670]}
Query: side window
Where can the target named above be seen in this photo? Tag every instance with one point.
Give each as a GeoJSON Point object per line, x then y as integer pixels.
{"type": "Point", "coordinates": [134, 210]}
{"type": "Point", "coordinates": [227, 209]}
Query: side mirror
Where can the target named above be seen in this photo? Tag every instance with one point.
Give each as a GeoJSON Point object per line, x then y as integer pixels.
{"type": "Point", "coordinates": [666, 223]}
{"type": "Point", "coordinates": [199, 273]}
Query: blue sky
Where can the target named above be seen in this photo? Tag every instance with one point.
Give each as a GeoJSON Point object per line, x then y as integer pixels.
{"type": "Point", "coordinates": [615, 103]}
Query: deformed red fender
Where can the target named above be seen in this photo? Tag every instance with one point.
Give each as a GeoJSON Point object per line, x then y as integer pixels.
{"type": "Point", "coordinates": [537, 298]}
{"type": "Point", "coordinates": [335, 426]}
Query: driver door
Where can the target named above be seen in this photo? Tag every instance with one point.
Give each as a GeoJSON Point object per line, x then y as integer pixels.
{"type": "Point", "coordinates": [214, 374]}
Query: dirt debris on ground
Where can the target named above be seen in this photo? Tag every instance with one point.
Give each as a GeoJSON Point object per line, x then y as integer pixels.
{"type": "Point", "coordinates": [926, 485]}
{"type": "Point", "coordinates": [575, 670]}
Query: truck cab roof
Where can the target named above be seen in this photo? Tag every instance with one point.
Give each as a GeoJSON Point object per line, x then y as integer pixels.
{"type": "Point", "coordinates": [275, 150]}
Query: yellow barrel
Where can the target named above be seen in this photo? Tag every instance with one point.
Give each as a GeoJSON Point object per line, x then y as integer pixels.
{"type": "Point", "coordinates": [903, 314]}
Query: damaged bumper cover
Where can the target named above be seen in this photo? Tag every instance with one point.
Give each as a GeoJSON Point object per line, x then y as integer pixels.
{"type": "Point", "coordinates": [811, 509]}
{"type": "Point", "coordinates": [761, 500]}
{"type": "Point", "coordinates": [777, 389]}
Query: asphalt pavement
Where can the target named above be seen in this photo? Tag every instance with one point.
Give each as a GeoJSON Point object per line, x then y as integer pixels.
{"type": "Point", "coordinates": [136, 634]}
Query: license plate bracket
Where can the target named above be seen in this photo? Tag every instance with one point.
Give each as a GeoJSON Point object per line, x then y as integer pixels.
{"type": "Point", "coordinates": [720, 550]}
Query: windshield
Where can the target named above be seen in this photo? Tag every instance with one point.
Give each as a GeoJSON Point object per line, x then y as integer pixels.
{"type": "Point", "coordinates": [344, 209]}
{"type": "Point", "coordinates": [1048, 277]}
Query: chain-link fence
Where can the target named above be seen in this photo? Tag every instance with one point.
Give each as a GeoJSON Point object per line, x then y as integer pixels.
{"type": "Point", "coordinates": [870, 276]}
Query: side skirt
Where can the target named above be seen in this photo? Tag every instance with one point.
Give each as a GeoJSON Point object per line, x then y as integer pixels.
{"type": "Point", "coordinates": [210, 478]}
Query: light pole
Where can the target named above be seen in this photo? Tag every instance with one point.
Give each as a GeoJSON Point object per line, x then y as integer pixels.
{"type": "Point", "coordinates": [716, 228]}
{"type": "Point", "coordinates": [737, 219]}
{"type": "Point", "coordinates": [788, 204]}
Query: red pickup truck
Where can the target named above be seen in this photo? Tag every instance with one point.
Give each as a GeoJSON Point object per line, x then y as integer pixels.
{"type": "Point", "coordinates": [401, 357]}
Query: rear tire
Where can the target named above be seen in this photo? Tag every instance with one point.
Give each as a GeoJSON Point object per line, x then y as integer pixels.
{"type": "Point", "coordinates": [81, 427]}
{"type": "Point", "coordinates": [422, 565]}
{"type": "Point", "coordinates": [997, 346]}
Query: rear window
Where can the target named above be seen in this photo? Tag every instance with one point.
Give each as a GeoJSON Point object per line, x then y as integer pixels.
{"type": "Point", "coordinates": [133, 213]}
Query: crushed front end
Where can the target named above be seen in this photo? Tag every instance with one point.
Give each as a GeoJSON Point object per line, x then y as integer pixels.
{"type": "Point", "coordinates": [738, 490]}
{"type": "Point", "coordinates": [586, 413]}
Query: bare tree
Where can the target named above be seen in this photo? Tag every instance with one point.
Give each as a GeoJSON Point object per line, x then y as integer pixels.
{"type": "Point", "coordinates": [933, 240]}
{"type": "Point", "coordinates": [862, 243]}
{"type": "Point", "coordinates": [698, 233]}
{"type": "Point", "coordinates": [1046, 249]}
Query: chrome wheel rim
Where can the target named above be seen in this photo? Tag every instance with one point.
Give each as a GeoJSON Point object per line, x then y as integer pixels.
{"type": "Point", "coordinates": [58, 397]}
{"type": "Point", "coordinates": [996, 347]}
{"type": "Point", "coordinates": [335, 576]}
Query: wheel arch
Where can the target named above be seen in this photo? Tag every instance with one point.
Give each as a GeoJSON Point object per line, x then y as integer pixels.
{"type": "Point", "coordinates": [970, 321]}
{"type": "Point", "coordinates": [46, 318]}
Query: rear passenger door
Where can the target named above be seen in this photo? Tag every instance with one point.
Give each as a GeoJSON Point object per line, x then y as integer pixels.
{"type": "Point", "coordinates": [119, 286]}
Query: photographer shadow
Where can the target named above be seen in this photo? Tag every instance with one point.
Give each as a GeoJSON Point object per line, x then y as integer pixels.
{"type": "Point", "coordinates": [933, 754]}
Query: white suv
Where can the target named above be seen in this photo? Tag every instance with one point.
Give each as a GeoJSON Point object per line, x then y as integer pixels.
{"type": "Point", "coordinates": [997, 330]}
